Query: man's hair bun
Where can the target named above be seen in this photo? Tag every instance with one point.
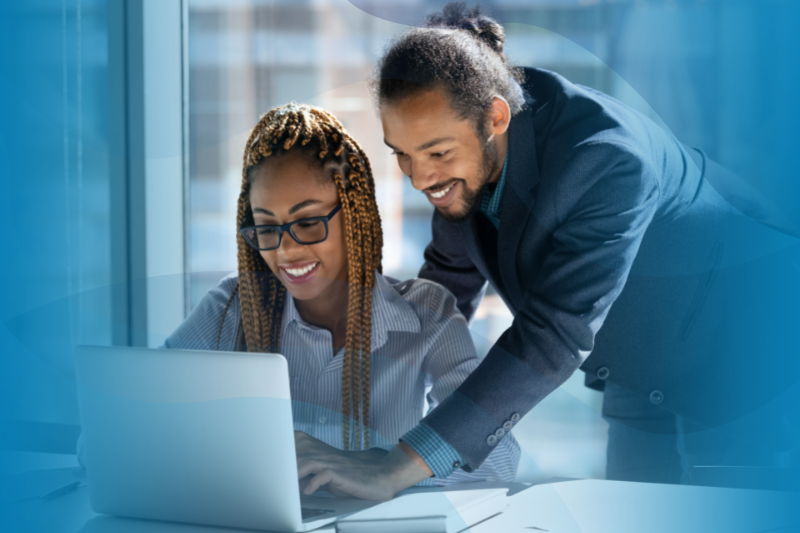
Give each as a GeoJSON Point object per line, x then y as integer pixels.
{"type": "Point", "coordinates": [456, 16]}
{"type": "Point", "coordinates": [468, 65]}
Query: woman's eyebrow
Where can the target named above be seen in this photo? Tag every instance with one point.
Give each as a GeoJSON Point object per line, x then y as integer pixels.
{"type": "Point", "coordinates": [304, 203]}
{"type": "Point", "coordinates": [293, 209]}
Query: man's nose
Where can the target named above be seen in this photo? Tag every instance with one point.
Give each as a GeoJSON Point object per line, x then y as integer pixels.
{"type": "Point", "coordinates": [423, 175]}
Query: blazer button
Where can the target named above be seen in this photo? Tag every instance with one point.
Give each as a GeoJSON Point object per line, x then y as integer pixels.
{"type": "Point", "coordinates": [603, 372]}
{"type": "Point", "coordinates": [515, 418]}
{"type": "Point", "coordinates": [656, 396]}
{"type": "Point", "coordinates": [500, 433]}
{"type": "Point", "coordinates": [492, 440]}
{"type": "Point", "coordinates": [507, 425]}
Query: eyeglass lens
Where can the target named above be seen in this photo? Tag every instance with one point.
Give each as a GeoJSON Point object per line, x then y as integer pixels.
{"type": "Point", "coordinates": [305, 232]}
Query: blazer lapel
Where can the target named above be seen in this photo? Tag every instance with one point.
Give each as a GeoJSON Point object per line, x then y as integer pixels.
{"type": "Point", "coordinates": [518, 199]}
{"type": "Point", "coordinates": [470, 233]}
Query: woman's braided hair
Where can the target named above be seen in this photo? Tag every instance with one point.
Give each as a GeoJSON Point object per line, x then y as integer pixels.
{"type": "Point", "coordinates": [317, 133]}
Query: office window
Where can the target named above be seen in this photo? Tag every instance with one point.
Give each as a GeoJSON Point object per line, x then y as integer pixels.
{"type": "Point", "coordinates": [245, 58]}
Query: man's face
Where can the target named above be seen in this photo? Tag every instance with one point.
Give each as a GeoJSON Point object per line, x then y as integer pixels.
{"type": "Point", "coordinates": [441, 152]}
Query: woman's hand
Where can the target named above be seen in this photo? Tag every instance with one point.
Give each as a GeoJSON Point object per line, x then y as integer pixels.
{"type": "Point", "coordinates": [307, 446]}
{"type": "Point", "coordinates": [372, 474]}
{"type": "Point", "coordinates": [313, 453]}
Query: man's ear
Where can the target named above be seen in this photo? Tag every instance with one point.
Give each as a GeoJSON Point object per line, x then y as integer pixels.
{"type": "Point", "coordinates": [499, 116]}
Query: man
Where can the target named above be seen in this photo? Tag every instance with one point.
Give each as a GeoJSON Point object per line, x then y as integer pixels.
{"type": "Point", "coordinates": [619, 251]}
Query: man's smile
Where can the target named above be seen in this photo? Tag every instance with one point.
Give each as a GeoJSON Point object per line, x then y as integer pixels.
{"type": "Point", "coordinates": [444, 196]}
{"type": "Point", "coordinates": [441, 193]}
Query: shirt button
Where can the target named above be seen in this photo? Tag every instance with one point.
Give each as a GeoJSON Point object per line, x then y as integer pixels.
{"type": "Point", "coordinates": [322, 420]}
{"type": "Point", "coordinates": [603, 372]}
{"type": "Point", "coordinates": [507, 425]}
{"type": "Point", "coordinates": [500, 433]}
{"type": "Point", "coordinates": [656, 396]}
{"type": "Point", "coordinates": [515, 418]}
{"type": "Point", "coordinates": [456, 464]}
{"type": "Point", "coordinates": [492, 440]}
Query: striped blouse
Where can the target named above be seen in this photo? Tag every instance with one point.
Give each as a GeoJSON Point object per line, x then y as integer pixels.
{"type": "Point", "coordinates": [421, 352]}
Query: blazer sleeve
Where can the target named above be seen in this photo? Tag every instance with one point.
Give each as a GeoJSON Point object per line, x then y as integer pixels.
{"type": "Point", "coordinates": [606, 199]}
{"type": "Point", "coordinates": [449, 360]}
{"type": "Point", "coordinates": [447, 263]}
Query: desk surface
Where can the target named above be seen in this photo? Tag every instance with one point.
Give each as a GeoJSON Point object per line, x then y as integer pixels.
{"type": "Point", "coordinates": [599, 506]}
{"type": "Point", "coordinates": [585, 506]}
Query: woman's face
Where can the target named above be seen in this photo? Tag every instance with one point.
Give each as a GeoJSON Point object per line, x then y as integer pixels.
{"type": "Point", "coordinates": [288, 188]}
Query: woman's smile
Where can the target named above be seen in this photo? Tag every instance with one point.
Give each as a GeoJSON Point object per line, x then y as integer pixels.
{"type": "Point", "coordinates": [299, 272]}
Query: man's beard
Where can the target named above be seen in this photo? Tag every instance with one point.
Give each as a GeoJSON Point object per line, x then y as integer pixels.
{"type": "Point", "coordinates": [472, 197]}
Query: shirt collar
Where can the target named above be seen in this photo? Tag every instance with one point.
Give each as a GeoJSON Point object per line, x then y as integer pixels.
{"type": "Point", "coordinates": [390, 312]}
{"type": "Point", "coordinates": [290, 314]}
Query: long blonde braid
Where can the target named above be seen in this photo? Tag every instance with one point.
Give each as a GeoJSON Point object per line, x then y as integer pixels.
{"type": "Point", "coordinates": [314, 130]}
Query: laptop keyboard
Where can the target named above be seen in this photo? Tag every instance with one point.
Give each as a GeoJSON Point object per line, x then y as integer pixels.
{"type": "Point", "coordinates": [308, 512]}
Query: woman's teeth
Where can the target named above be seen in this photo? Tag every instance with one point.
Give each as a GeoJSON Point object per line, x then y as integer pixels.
{"type": "Point", "coordinates": [441, 193]}
{"type": "Point", "coordinates": [301, 271]}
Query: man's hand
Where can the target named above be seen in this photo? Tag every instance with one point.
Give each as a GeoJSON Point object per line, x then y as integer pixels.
{"type": "Point", "coordinates": [373, 474]}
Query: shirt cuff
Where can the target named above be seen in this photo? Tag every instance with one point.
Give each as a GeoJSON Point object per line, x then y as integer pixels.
{"type": "Point", "coordinates": [442, 458]}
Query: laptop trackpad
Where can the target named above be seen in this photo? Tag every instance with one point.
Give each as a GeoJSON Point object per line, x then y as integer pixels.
{"type": "Point", "coordinates": [323, 505]}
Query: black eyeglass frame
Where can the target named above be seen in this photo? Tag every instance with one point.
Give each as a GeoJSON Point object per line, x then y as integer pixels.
{"type": "Point", "coordinates": [288, 228]}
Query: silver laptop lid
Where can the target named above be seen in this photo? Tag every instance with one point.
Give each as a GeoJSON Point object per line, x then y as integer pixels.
{"type": "Point", "coordinates": [189, 436]}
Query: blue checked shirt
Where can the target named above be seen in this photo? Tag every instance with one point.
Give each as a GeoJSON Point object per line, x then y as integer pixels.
{"type": "Point", "coordinates": [490, 203]}
{"type": "Point", "coordinates": [421, 352]}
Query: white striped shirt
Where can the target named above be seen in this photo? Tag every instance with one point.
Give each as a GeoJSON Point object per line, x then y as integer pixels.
{"type": "Point", "coordinates": [421, 350]}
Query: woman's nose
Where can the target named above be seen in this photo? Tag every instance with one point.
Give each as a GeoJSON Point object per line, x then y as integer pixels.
{"type": "Point", "coordinates": [288, 245]}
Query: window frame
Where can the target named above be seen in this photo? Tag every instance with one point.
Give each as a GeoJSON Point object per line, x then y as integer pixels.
{"type": "Point", "coordinates": [149, 168]}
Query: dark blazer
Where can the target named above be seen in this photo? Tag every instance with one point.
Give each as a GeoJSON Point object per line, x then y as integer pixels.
{"type": "Point", "coordinates": [632, 257]}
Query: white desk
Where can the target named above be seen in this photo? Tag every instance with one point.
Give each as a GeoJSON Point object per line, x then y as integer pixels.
{"type": "Point", "coordinates": [598, 506]}
{"type": "Point", "coordinates": [586, 506]}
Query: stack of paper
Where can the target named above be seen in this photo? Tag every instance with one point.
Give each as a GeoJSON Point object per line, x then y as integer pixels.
{"type": "Point", "coordinates": [437, 511]}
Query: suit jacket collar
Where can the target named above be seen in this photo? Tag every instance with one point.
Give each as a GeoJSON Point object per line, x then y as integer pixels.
{"type": "Point", "coordinates": [522, 176]}
{"type": "Point", "coordinates": [518, 197]}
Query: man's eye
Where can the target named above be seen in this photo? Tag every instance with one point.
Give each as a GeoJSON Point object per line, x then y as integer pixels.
{"type": "Point", "coordinates": [399, 154]}
{"type": "Point", "coordinates": [439, 154]}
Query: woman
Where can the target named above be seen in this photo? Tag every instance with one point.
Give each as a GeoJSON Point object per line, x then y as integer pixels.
{"type": "Point", "coordinates": [363, 350]}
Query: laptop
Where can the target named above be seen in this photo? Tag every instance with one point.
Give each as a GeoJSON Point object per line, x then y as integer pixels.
{"type": "Point", "coordinates": [195, 436]}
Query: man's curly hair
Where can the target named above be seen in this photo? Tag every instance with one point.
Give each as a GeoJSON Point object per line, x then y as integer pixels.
{"type": "Point", "coordinates": [460, 50]}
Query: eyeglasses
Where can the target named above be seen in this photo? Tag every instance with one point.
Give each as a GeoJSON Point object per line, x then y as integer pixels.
{"type": "Point", "coordinates": [304, 231]}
